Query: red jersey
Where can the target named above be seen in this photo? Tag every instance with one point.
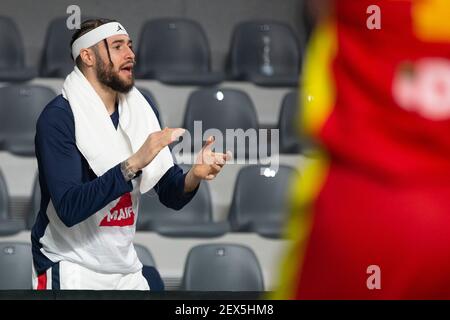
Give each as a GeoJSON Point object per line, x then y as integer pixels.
{"type": "Point", "coordinates": [371, 217]}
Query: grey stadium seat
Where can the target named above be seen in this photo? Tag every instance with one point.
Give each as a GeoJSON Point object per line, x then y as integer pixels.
{"type": "Point", "coordinates": [260, 200]}
{"type": "Point", "coordinates": [56, 61]}
{"type": "Point", "coordinates": [266, 53]}
{"type": "Point", "coordinates": [222, 109]}
{"type": "Point", "coordinates": [12, 55]}
{"type": "Point", "coordinates": [15, 266]}
{"type": "Point", "coordinates": [35, 204]}
{"type": "Point", "coordinates": [175, 51]}
{"type": "Point", "coordinates": [288, 123]}
{"type": "Point", "coordinates": [4, 197]}
{"type": "Point", "coordinates": [8, 226]}
{"type": "Point", "coordinates": [194, 220]}
{"type": "Point", "coordinates": [144, 255]}
{"type": "Point", "coordinates": [20, 107]}
{"type": "Point", "coordinates": [222, 267]}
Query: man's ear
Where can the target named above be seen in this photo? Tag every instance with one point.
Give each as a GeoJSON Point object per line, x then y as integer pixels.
{"type": "Point", "coordinates": [88, 57]}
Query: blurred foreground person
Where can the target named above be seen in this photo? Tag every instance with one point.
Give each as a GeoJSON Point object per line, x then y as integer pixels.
{"type": "Point", "coordinates": [371, 214]}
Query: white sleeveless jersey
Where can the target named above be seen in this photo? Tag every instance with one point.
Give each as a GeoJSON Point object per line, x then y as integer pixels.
{"type": "Point", "coordinates": [103, 242]}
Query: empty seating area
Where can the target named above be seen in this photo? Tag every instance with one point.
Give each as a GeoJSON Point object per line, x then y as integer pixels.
{"type": "Point", "coordinates": [266, 53]}
{"type": "Point", "coordinates": [195, 220]}
{"type": "Point", "coordinates": [20, 107]}
{"type": "Point", "coordinates": [222, 267]}
{"type": "Point", "coordinates": [12, 54]}
{"type": "Point", "coordinates": [230, 236]}
{"type": "Point", "coordinates": [175, 51]}
{"type": "Point", "coordinates": [15, 263]}
{"type": "Point", "coordinates": [207, 267]}
{"type": "Point", "coordinates": [171, 50]}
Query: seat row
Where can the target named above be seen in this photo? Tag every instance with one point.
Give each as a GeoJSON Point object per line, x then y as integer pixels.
{"type": "Point", "coordinates": [208, 267]}
{"type": "Point", "coordinates": [217, 109]}
{"type": "Point", "coordinates": [172, 50]}
{"type": "Point", "coordinates": [258, 206]}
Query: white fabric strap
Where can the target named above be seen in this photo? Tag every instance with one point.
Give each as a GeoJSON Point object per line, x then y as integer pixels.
{"type": "Point", "coordinates": [94, 36]}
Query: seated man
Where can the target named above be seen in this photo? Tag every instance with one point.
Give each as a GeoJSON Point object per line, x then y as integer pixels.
{"type": "Point", "coordinates": [99, 145]}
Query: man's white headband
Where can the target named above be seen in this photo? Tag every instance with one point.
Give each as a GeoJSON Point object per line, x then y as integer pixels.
{"type": "Point", "coordinates": [94, 36]}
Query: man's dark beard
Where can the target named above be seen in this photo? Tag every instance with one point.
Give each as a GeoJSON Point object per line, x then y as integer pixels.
{"type": "Point", "coordinates": [106, 76]}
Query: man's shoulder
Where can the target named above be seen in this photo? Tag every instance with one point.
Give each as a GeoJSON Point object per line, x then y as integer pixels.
{"type": "Point", "coordinates": [56, 112]}
{"type": "Point", "coordinates": [58, 103]}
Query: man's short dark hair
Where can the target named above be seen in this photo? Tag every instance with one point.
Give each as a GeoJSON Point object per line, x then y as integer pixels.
{"type": "Point", "coordinates": [85, 27]}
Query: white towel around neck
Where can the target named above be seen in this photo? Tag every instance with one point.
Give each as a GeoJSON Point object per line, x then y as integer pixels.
{"type": "Point", "coordinates": [97, 138]}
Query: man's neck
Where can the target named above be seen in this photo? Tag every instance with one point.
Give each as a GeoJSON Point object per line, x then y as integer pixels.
{"type": "Point", "coordinates": [108, 95]}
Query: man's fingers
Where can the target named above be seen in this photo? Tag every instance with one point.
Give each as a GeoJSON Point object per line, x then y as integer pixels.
{"type": "Point", "coordinates": [215, 168]}
{"type": "Point", "coordinates": [217, 158]}
{"type": "Point", "coordinates": [228, 156]}
{"type": "Point", "coordinates": [170, 135]}
{"type": "Point", "coordinates": [209, 143]}
{"type": "Point", "coordinates": [176, 133]}
{"type": "Point", "coordinates": [221, 158]}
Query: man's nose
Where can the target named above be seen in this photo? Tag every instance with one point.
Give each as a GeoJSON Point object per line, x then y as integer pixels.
{"type": "Point", "coordinates": [129, 54]}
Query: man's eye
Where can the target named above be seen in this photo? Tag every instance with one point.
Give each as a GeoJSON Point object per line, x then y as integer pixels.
{"type": "Point", "coordinates": [117, 47]}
